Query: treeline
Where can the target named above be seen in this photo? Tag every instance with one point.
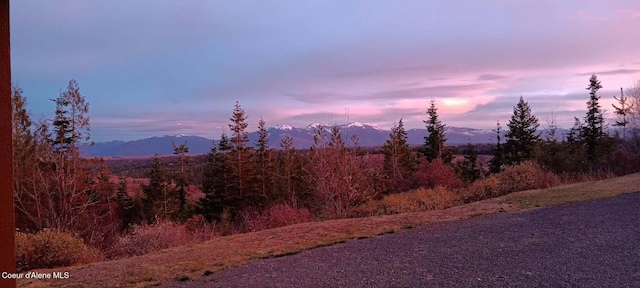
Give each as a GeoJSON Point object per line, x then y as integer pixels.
{"type": "Point", "coordinates": [587, 147]}
{"type": "Point", "coordinates": [244, 185]}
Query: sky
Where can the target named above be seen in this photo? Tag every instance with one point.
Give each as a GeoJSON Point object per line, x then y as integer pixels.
{"type": "Point", "coordinates": [153, 68]}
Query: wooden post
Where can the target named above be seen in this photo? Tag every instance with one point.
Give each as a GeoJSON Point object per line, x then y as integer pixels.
{"type": "Point", "coordinates": [7, 222]}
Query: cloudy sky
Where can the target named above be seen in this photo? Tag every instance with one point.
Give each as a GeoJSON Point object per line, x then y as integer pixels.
{"type": "Point", "coordinates": [150, 68]}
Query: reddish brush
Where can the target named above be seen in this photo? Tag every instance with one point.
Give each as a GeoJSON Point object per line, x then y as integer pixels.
{"type": "Point", "coordinates": [275, 216]}
{"type": "Point", "coordinates": [436, 173]}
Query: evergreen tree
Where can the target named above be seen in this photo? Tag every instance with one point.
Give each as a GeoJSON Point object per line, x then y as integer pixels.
{"type": "Point", "coordinates": [597, 141]}
{"type": "Point", "coordinates": [160, 201]}
{"type": "Point", "coordinates": [263, 159]}
{"type": "Point", "coordinates": [574, 136]}
{"type": "Point", "coordinates": [495, 166]}
{"type": "Point", "coordinates": [575, 151]}
{"type": "Point", "coordinates": [224, 146]}
{"type": "Point", "coordinates": [181, 177]}
{"type": "Point", "coordinates": [210, 205]}
{"type": "Point", "coordinates": [239, 137]}
{"type": "Point", "coordinates": [70, 130]}
{"type": "Point", "coordinates": [71, 123]}
{"type": "Point", "coordinates": [240, 158]}
{"type": "Point", "coordinates": [291, 175]}
{"type": "Point", "coordinates": [399, 162]}
{"type": "Point", "coordinates": [62, 138]}
{"type": "Point", "coordinates": [126, 208]}
{"type": "Point", "coordinates": [227, 184]}
{"type": "Point", "coordinates": [286, 168]}
{"type": "Point", "coordinates": [216, 182]}
{"type": "Point", "coordinates": [521, 137]}
{"type": "Point", "coordinates": [551, 154]}
{"type": "Point", "coordinates": [434, 147]}
{"type": "Point", "coordinates": [467, 169]}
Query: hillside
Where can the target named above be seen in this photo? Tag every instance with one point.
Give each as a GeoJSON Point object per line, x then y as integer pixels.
{"type": "Point", "coordinates": [235, 250]}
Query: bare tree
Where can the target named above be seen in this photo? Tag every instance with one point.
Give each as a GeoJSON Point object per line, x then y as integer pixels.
{"type": "Point", "coordinates": [623, 111]}
{"type": "Point", "coordinates": [57, 188]}
{"type": "Point", "coordinates": [633, 93]}
{"type": "Point", "coordinates": [337, 175]}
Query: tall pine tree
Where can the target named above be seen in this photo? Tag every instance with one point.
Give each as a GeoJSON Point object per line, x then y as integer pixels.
{"type": "Point", "coordinates": [181, 177]}
{"type": "Point", "coordinates": [216, 180]}
{"type": "Point", "coordinates": [467, 169]}
{"type": "Point", "coordinates": [495, 166]}
{"type": "Point", "coordinates": [291, 177]}
{"type": "Point", "coordinates": [399, 162]}
{"type": "Point", "coordinates": [160, 200]}
{"type": "Point", "coordinates": [551, 154]}
{"type": "Point", "coordinates": [264, 162]}
{"type": "Point", "coordinates": [434, 146]}
{"type": "Point", "coordinates": [522, 136]}
{"type": "Point", "coordinates": [240, 159]}
{"type": "Point", "coordinates": [127, 210]}
{"type": "Point", "coordinates": [71, 122]}
{"type": "Point", "coordinates": [594, 134]}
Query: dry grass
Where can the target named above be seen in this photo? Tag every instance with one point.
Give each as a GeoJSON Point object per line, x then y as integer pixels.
{"type": "Point", "coordinates": [575, 192]}
{"type": "Point", "coordinates": [421, 199]}
{"type": "Point", "coordinates": [278, 215]}
{"type": "Point", "coordinates": [146, 238]}
{"type": "Point", "coordinates": [223, 252]}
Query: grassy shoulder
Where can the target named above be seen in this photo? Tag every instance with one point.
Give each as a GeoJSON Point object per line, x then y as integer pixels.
{"type": "Point", "coordinates": [574, 192]}
{"type": "Point", "coordinates": [190, 262]}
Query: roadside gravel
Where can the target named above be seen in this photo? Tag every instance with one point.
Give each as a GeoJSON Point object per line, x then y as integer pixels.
{"type": "Point", "coordinates": [588, 244]}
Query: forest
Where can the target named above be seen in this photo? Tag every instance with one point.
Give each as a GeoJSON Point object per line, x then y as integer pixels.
{"type": "Point", "coordinates": [87, 210]}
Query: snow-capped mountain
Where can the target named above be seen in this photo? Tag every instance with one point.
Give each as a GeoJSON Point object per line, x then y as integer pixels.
{"type": "Point", "coordinates": [367, 135]}
{"type": "Point", "coordinates": [283, 127]}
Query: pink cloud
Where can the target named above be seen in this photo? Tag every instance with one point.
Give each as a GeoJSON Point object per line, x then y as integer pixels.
{"type": "Point", "coordinates": [581, 14]}
{"type": "Point", "coordinates": [633, 13]}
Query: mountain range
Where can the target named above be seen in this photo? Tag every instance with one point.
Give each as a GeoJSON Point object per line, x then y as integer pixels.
{"type": "Point", "coordinates": [368, 136]}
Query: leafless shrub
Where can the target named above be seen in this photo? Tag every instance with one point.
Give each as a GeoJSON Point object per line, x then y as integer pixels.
{"type": "Point", "coordinates": [50, 249]}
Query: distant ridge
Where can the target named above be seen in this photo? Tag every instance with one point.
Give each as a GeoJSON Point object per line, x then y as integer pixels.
{"type": "Point", "coordinates": [147, 146]}
{"type": "Point", "coordinates": [368, 135]}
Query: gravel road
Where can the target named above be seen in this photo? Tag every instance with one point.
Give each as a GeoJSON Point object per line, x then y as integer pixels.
{"type": "Point", "coordinates": [588, 244]}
